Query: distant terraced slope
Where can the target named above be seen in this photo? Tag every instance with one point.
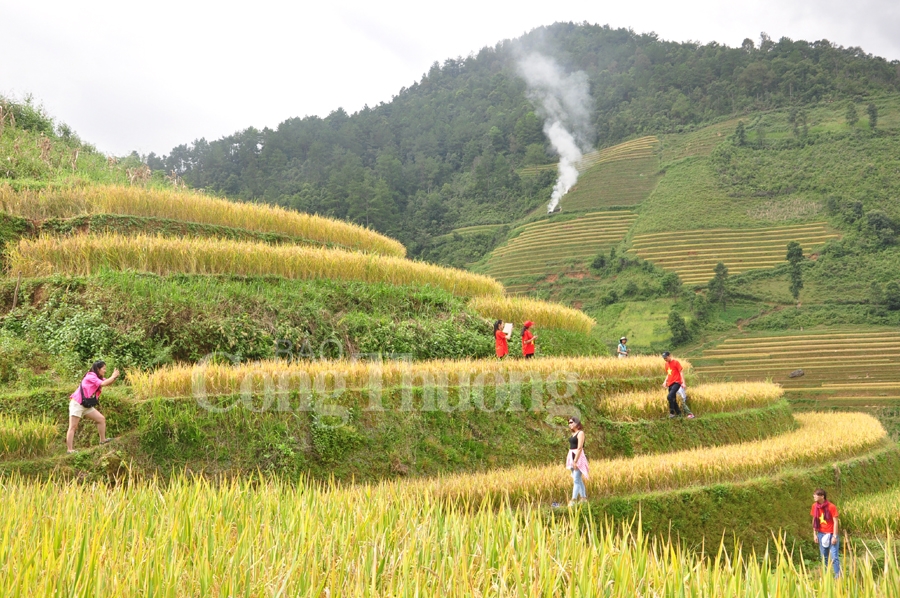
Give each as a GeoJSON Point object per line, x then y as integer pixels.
{"type": "Point", "coordinates": [694, 254]}
{"type": "Point", "coordinates": [853, 365]}
{"type": "Point", "coordinates": [541, 245]}
{"type": "Point", "coordinates": [622, 175]}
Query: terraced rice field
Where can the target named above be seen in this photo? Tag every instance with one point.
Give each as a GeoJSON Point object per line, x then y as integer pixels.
{"type": "Point", "coordinates": [693, 254]}
{"type": "Point", "coordinates": [698, 143]}
{"type": "Point", "coordinates": [468, 231]}
{"type": "Point", "coordinates": [859, 366]}
{"type": "Point", "coordinates": [542, 245]}
{"type": "Point", "coordinates": [623, 175]}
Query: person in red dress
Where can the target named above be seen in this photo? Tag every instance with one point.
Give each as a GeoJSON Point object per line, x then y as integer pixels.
{"type": "Point", "coordinates": [528, 339]}
{"type": "Point", "coordinates": [500, 340]}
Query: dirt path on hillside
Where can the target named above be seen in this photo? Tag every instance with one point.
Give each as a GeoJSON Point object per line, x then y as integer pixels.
{"type": "Point", "coordinates": [741, 323]}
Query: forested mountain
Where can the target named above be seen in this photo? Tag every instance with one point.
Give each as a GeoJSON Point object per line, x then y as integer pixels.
{"type": "Point", "coordinates": [444, 152]}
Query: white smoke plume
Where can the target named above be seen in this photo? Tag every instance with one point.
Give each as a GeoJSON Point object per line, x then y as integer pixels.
{"type": "Point", "coordinates": [564, 101]}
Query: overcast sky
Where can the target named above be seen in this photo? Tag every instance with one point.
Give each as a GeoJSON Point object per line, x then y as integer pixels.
{"type": "Point", "coordinates": [152, 75]}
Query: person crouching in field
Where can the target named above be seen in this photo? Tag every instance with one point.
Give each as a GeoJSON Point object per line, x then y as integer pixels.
{"type": "Point", "coordinates": [674, 381]}
{"type": "Point", "coordinates": [528, 339]}
{"type": "Point", "coordinates": [825, 529]}
{"type": "Point", "coordinates": [84, 401]}
{"type": "Point", "coordinates": [500, 340]}
{"type": "Point", "coordinates": [576, 461]}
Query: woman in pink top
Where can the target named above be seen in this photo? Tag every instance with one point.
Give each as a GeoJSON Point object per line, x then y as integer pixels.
{"type": "Point", "coordinates": [90, 386]}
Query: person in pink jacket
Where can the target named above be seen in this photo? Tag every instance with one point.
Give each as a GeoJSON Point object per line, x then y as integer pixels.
{"type": "Point", "coordinates": [89, 389]}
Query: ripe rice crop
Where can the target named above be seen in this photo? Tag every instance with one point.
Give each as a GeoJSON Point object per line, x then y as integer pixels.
{"type": "Point", "coordinates": [84, 254]}
{"type": "Point", "coordinates": [193, 207]}
{"type": "Point", "coordinates": [25, 438]}
{"type": "Point", "coordinates": [874, 513]}
{"type": "Point", "coordinates": [267, 538]}
{"type": "Point", "coordinates": [542, 313]}
{"type": "Point", "coordinates": [218, 379]}
{"type": "Point", "coordinates": [848, 436]}
{"type": "Point", "coordinates": [703, 399]}
{"type": "Point", "coordinates": [693, 254]}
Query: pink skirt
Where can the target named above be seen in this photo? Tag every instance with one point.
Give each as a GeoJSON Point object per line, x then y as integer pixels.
{"type": "Point", "coordinates": [582, 464]}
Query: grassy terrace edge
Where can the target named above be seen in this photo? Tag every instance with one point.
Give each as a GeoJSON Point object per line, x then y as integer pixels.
{"type": "Point", "coordinates": [753, 509]}
{"type": "Point", "coordinates": [84, 254]}
{"type": "Point", "coordinates": [159, 436]}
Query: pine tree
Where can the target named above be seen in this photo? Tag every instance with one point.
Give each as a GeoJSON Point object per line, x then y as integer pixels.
{"type": "Point", "coordinates": [718, 286]}
{"type": "Point", "coordinates": [795, 259]}
{"type": "Point", "coordinates": [678, 328]}
{"type": "Point", "coordinates": [872, 109]}
{"type": "Point", "coordinates": [740, 134]}
{"type": "Point", "coordinates": [852, 115]}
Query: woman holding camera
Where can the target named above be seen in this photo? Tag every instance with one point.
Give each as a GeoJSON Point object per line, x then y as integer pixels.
{"type": "Point", "coordinates": [85, 400]}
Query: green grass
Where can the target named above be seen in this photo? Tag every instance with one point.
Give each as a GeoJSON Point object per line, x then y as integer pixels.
{"type": "Point", "coordinates": [643, 322]}
{"type": "Point", "coordinates": [690, 197]}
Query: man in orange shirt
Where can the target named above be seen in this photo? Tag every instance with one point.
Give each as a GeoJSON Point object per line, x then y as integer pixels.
{"type": "Point", "coordinates": [825, 525]}
{"type": "Point", "coordinates": [674, 381]}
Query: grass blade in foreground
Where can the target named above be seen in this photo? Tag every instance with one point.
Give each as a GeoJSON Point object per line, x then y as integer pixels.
{"type": "Point", "coordinates": [263, 538]}
{"type": "Point", "coordinates": [84, 254]}
{"type": "Point", "coordinates": [874, 513]}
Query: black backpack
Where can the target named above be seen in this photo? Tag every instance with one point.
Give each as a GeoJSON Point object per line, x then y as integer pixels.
{"type": "Point", "coordinates": [88, 402]}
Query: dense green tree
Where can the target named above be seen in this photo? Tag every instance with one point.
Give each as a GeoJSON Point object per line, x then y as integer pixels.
{"type": "Point", "coordinates": [795, 260]}
{"type": "Point", "coordinates": [718, 286]}
{"type": "Point", "coordinates": [678, 328]}
{"type": "Point", "coordinates": [760, 135]}
{"type": "Point", "coordinates": [872, 109]}
{"type": "Point", "coordinates": [876, 293]}
{"type": "Point", "coordinates": [852, 115]}
{"type": "Point", "coordinates": [892, 295]}
{"type": "Point", "coordinates": [880, 228]}
{"type": "Point", "coordinates": [701, 307]}
{"type": "Point", "coordinates": [740, 134]}
{"type": "Point", "coordinates": [671, 284]}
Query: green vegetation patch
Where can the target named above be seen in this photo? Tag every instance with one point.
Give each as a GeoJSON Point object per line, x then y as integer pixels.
{"type": "Point", "coordinates": [140, 320]}
{"type": "Point", "coordinates": [752, 511]}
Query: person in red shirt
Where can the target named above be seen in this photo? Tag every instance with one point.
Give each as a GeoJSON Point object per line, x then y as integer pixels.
{"type": "Point", "coordinates": [500, 340]}
{"type": "Point", "coordinates": [528, 339]}
{"type": "Point", "coordinates": [825, 529]}
{"type": "Point", "coordinates": [674, 381]}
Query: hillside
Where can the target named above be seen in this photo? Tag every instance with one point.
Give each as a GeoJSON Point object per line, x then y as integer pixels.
{"type": "Point", "coordinates": [464, 145]}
